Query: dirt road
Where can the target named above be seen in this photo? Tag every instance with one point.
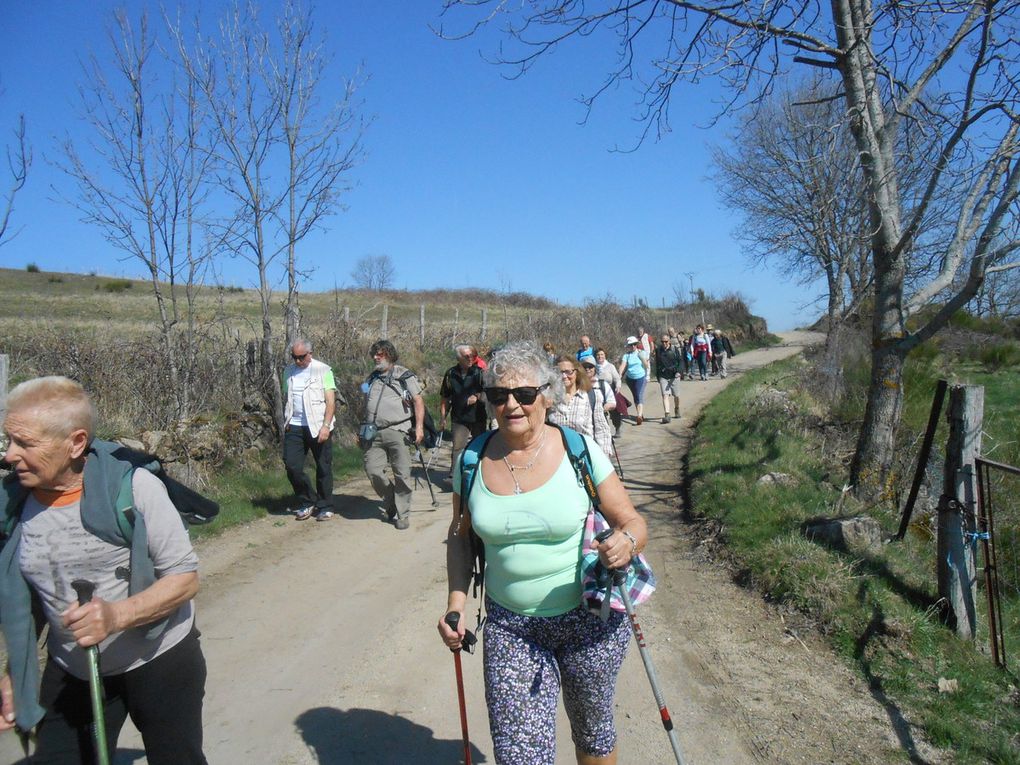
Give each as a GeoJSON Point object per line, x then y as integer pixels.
{"type": "Point", "coordinates": [322, 647]}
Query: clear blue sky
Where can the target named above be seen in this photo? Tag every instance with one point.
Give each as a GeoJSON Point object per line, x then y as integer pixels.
{"type": "Point", "coordinates": [470, 179]}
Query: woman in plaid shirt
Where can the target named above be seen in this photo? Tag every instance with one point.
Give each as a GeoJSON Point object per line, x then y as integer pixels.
{"type": "Point", "coordinates": [584, 407]}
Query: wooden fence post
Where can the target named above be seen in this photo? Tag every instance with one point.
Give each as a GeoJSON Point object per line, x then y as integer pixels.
{"type": "Point", "coordinates": [384, 331]}
{"type": "Point", "coordinates": [4, 372]}
{"type": "Point", "coordinates": [456, 323]}
{"type": "Point", "coordinates": [957, 578]}
{"type": "Point", "coordinates": [347, 314]}
{"type": "Point", "coordinates": [485, 322]}
{"type": "Point", "coordinates": [421, 327]}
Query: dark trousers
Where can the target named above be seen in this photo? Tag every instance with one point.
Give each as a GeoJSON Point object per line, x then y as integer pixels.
{"type": "Point", "coordinates": [702, 358]}
{"type": "Point", "coordinates": [297, 442]}
{"type": "Point", "coordinates": [163, 697]}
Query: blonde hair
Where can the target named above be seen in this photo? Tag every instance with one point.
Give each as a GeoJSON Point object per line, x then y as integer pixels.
{"type": "Point", "coordinates": [581, 381]}
{"type": "Point", "coordinates": [60, 405]}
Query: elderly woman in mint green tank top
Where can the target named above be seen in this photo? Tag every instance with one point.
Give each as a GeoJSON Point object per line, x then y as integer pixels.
{"type": "Point", "coordinates": [529, 511]}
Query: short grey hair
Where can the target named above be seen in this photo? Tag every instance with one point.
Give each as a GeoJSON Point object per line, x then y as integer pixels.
{"type": "Point", "coordinates": [524, 360]}
{"type": "Point", "coordinates": [301, 341]}
{"type": "Point", "coordinates": [465, 348]}
{"type": "Point", "coordinates": [59, 406]}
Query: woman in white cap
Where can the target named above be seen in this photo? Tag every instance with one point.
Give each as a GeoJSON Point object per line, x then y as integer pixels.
{"type": "Point", "coordinates": [635, 370]}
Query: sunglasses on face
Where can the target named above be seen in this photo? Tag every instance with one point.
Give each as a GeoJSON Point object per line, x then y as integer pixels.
{"type": "Point", "coordinates": [296, 357]}
{"type": "Point", "coordinates": [568, 371]}
{"type": "Point", "coordinates": [526, 394]}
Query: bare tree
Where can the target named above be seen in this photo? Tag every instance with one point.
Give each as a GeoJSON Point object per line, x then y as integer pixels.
{"type": "Point", "coordinates": [138, 178]}
{"type": "Point", "coordinates": [374, 272]}
{"type": "Point", "coordinates": [792, 170]}
{"type": "Point", "coordinates": [262, 94]}
{"type": "Point", "coordinates": [322, 148]}
{"type": "Point", "coordinates": [19, 160]}
{"type": "Point", "coordinates": [954, 63]}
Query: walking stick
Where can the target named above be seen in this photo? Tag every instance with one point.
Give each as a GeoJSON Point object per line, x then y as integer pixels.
{"type": "Point", "coordinates": [428, 482]}
{"type": "Point", "coordinates": [620, 580]}
{"type": "Point", "coordinates": [84, 589]}
{"type": "Point", "coordinates": [452, 619]}
{"type": "Point", "coordinates": [619, 465]}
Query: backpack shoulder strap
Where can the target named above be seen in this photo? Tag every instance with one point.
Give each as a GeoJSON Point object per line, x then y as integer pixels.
{"type": "Point", "coordinates": [12, 499]}
{"type": "Point", "coordinates": [125, 506]}
{"type": "Point", "coordinates": [469, 459]}
{"type": "Point", "coordinates": [580, 460]}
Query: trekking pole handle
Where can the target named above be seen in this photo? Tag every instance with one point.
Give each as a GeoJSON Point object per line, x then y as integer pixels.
{"type": "Point", "coordinates": [452, 619]}
{"type": "Point", "coordinates": [619, 574]}
{"type": "Point", "coordinates": [84, 589]}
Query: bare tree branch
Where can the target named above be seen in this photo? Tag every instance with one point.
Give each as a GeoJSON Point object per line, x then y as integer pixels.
{"type": "Point", "coordinates": [19, 160]}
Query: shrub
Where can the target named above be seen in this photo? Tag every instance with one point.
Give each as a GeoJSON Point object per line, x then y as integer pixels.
{"type": "Point", "coordinates": [116, 285]}
{"type": "Point", "coordinates": [32, 268]}
{"type": "Point", "coordinates": [998, 355]}
{"type": "Point", "coordinates": [55, 279]}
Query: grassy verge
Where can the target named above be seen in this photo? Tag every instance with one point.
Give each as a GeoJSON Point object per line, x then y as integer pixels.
{"type": "Point", "coordinates": [248, 492]}
{"type": "Point", "coordinates": [876, 605]}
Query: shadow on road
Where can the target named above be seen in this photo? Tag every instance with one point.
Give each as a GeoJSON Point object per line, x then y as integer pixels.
{"type": "Point", "coordinates": [370, 737]}
{"type": "Point", "coordinates": [120, 757]}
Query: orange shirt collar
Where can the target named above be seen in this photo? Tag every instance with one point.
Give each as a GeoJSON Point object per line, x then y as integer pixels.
{"type": "Point", "coordinates": [56, 497]}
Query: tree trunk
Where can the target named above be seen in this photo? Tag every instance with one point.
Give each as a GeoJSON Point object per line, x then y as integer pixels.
{"type": "Point", "coordinates": [876, 442]}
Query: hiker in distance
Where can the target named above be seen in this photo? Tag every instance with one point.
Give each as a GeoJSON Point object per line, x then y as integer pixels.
{"type": "Point", "coordinates": [395, 413]}
{"type": "Point", "coordinates": [669, 371]}
{"type": "Point", "coordinates": [530, 515]}
{"type": "Point", "coordinates": [60, 497]}
{"type": "Point", "coordinates": [634, 369]}
{"type": "Point", "coordinates": [722, 350]}
{"type": "Point", "coordinates": [701, 350]}
{"type": "Point", "coordinates": [608, 373]}
{"type": "Point", "coordinates": [461, 396]}
{"type": "Point", "coordinates": [310, 396]}
{"type": "Point", "coordinates": [586, 350]}
{"type": "Point", "coordinates": [582, 407]}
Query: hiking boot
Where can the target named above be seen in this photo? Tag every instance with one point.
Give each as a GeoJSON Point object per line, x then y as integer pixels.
{"type": "Point", "coordinates": [665, 420]}
{"type": "Point", "coordinates": [324, 515]}
{"type": "Point", "coordinates": [402, 523]}
{"type": "Point", "coordinates": [304, 513]}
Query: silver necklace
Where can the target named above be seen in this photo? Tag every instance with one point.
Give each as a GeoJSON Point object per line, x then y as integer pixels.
{"type": "Point", "coordinates": [524, 468]}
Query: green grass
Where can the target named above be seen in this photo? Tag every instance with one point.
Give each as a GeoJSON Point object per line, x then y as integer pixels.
{"type": "Point", "coordinates": [875, 605]}
{"type": "Point", "coordinates": [252, 491]}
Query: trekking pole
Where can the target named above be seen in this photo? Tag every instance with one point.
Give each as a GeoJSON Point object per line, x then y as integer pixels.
{"type": "Point", "coordinates": [620, 581]}
{"type": "Point", "coordinates": [428, 482]}
{"type": "Point", "coordinates": [619, 465]}
{"type": "Point", "coordinates": [452, 620]}
{"type": "Point", "coordinates": [84, 589]}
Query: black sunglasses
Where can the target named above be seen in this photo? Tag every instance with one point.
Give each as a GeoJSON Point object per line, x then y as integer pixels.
{"type": "Point", "coordinates": [298, 358]}
{"type": "Point", "coordinates": [525, 395]}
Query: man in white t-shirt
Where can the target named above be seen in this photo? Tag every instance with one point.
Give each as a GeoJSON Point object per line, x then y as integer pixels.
{"type": "Point", "coordinates": [310, 392]}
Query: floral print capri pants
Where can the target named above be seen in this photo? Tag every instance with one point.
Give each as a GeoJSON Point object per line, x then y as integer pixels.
{"type": "Point", "coordinates": [528, 658]}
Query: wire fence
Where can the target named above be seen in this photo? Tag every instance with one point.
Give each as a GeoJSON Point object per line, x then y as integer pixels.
{"type": "Point", "coordinates": [998, 537]}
